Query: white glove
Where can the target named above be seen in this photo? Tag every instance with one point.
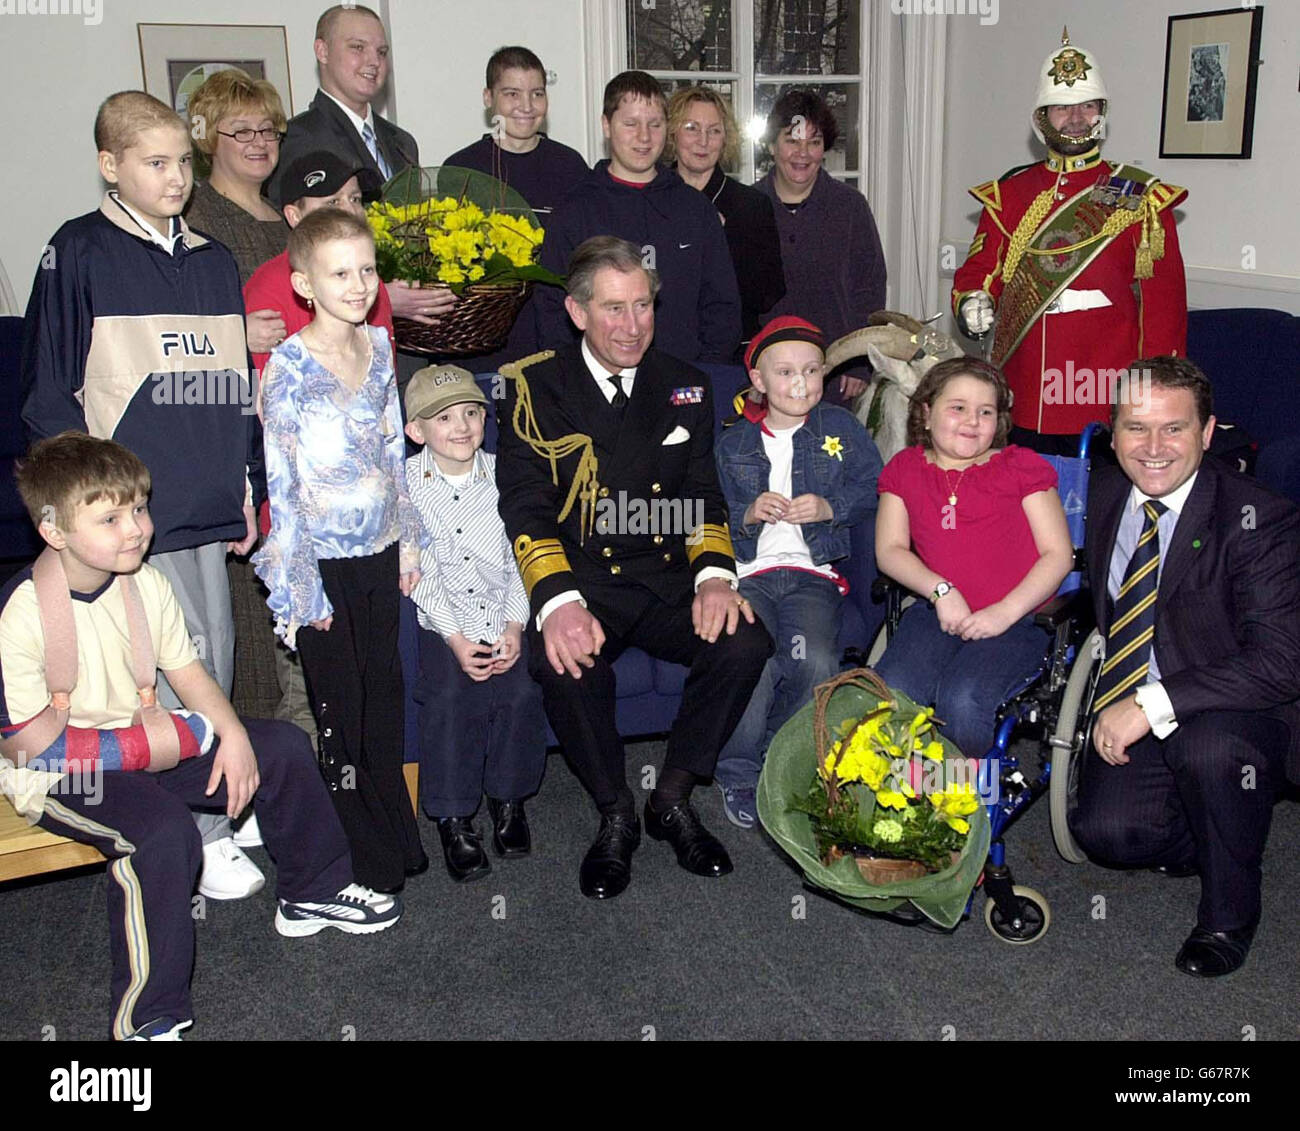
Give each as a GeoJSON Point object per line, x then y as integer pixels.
{"type": "Point", "coordinates": [976, 313]}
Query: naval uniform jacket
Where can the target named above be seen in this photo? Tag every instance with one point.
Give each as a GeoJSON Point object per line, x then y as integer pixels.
{"type": "Point", "coordinates": [637, 472]}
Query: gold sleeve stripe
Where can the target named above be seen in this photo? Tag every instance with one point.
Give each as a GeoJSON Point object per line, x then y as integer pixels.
{"type": "Point", "coordinates": [1164, 194]}
{"type": "Point", "coordinates": [709, 538]}
{"type": "Point", "coordinates": [977, 244]}
{"type": "Point", "coordinates": [539, 559]}
{"type": "Point", "coordinates": [988, 194]}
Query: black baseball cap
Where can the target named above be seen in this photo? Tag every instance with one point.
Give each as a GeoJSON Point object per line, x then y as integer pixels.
{"type": "Point", "coordinates": [318, 174]}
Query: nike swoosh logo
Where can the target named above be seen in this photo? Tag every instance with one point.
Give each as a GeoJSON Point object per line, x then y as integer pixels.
{"type": "Point", "coordinates": [683, 246]}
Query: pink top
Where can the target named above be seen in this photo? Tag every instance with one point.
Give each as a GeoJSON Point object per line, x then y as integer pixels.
{"type": "Point", "coordinates": [983, 545]}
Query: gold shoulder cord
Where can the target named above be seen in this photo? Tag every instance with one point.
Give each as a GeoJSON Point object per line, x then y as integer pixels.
{"type": "Point", "coordinates": [585, 484]}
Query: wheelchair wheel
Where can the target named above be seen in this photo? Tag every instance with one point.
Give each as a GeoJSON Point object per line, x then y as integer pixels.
{"type": "Point", "coordinates": [1069, 746]}
{"type": "Point", "coordinates": [1031, 925]}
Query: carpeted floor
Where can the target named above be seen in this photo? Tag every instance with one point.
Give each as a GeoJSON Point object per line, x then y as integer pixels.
{"type": "Point", "coordinates": [521, 954]}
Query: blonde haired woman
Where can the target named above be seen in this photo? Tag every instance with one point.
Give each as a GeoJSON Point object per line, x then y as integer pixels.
{"type": "Point", "coordinates": [703, 139]}
{"type": "Point", "coordinates": [237, 122]}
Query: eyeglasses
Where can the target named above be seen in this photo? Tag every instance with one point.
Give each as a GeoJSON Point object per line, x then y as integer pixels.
{"type": "Point", "coordinates": [713, 133]}
{"type": "Point", "coordinates": [246, 135]}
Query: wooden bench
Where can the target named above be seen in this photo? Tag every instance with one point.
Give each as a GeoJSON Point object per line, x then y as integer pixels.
{"type": "Point", "coordinates": [27, 850]}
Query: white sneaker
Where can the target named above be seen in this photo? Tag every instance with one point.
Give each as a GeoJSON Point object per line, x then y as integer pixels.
{"type": "Point", "coordinates": [227, 872]}
{"type": "Point", "coordinates": [163, 1029]}
{"type": "Point", "coordinates": [356, 910]}
{"type": "Point", "coordinates": [248, 835]}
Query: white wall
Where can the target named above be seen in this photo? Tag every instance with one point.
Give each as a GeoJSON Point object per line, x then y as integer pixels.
{"type": "Point", "coordinates": [57, 69]}
{"type": "Point", "coordinates": [992, 73]}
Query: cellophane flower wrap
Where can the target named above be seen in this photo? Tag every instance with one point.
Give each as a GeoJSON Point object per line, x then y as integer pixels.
{"type": "Point", "coordinates": [455, 227]}
{"type": "Point", "coordinates": [885, 783]}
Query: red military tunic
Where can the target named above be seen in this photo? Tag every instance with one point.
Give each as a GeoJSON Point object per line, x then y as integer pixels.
{"type": "Point", "coordinates": [1052, 371]}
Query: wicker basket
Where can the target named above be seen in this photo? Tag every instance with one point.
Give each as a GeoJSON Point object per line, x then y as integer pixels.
{"type": "Point", "coordinates": [479, 322]}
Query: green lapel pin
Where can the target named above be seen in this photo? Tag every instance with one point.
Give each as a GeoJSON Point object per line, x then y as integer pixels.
{"type": "Point", "coordinates": [1196, 543]}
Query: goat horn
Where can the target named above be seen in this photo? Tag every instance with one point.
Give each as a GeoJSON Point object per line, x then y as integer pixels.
{"type": "Point", "coordinates": [893, 318]}
{"type": "Point", "coordinates": [891, 340]}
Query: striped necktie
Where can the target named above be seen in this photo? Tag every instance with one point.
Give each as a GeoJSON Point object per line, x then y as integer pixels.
{"type": "Point", "coordinates": [372, 144]}
{"type": "Point", "coordinates": [1128, 643]}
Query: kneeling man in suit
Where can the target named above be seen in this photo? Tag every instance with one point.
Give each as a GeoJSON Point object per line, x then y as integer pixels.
{"type": "Point", "coordinates": [610, 497]}
{"type": "Point", "coordinates": [1195, 574]}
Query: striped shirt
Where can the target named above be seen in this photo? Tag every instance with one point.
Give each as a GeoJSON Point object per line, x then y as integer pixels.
{"type": "Point", "coordinates": [469, 582]}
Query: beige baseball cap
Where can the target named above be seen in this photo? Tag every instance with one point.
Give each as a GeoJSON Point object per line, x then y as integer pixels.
{"type": "Point", "coordinates": [436, 387]}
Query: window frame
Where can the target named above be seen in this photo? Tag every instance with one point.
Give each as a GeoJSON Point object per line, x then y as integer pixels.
{"type": "Point", "coordinates": [747, 79]}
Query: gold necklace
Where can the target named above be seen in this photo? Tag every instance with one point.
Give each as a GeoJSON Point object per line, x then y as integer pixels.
{"type": "Point", "coordinates": [952, 487]}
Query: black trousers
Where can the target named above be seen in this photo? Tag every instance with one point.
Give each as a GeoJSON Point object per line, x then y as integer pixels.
{"type": "Point", "coordinates": [722, 677]}
{"type": "Point", "coordinates": [354, 682]}
{"type": "Point", "coordinates": [476, 736]}
{"type": "Point", "coordinates": [1202, 796]}
{"type": "Point", "coordinates": [143, 823]}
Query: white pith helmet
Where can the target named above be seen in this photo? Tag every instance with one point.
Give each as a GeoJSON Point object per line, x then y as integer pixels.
{"type": "Point", "coordinates": [1069, 76]}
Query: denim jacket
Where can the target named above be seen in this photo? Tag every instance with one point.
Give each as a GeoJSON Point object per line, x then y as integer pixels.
{"type": "Point", "coordinates": [846, 480]}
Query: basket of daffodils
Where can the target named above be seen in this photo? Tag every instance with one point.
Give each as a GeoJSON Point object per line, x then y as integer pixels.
{"type": "Point", "coordinates": [459, 228]}
{"type": "Point", "coordinates": [862, 791]}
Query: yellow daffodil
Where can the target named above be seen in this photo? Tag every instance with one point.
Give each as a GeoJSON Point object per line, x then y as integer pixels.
{"type": "Point", "coordinates": [891, 800]}
{"type": "Point", "coordinates": [832, 447]}
{"type": "Point", "coordinates": [959, 825]}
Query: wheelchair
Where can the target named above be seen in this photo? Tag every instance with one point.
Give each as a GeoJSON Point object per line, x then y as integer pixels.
{"type": "Point", "coordinates": [1053, 709]}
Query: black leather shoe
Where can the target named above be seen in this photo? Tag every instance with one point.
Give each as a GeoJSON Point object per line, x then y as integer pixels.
{"type": "Point", "coordinates": [1176, 871]}
{"type": "Point", "coordinates": [1211, 954]}
{"type": "Point", "coordinates": [698, 850]}
{"type": "Point", "coordinates": [607, 868]}
{"type": "Point", "coordinates": [510, 835]}
{"type": "Point", "coordinates": [418, 869]}
{"type": "Point", "coordinates": [462, 849]}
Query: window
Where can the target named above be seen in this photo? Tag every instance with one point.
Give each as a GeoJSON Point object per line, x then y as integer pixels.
{"type": "Point", "coordinates": [751, 52]}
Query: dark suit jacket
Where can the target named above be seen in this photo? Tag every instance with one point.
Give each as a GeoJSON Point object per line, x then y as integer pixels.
{"type": "Point", "coordinates": [1228, 608]}
{"type": "Point", "coordinates": [324, 125]}
{"type": "Point", "coordinates": [634, 466]}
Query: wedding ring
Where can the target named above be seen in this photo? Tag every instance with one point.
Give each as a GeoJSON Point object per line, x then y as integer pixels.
{"type": "Point", "coordinates": [1108, 744]}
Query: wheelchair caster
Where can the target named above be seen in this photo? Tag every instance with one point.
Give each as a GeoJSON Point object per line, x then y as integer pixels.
{"type": "Point", "coordinates": [1030, 923]}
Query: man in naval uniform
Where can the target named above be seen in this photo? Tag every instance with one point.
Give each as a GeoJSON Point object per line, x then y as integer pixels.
{"type": "Point", "coordinates": [610, 498]}
{"type": "Point", "coordinates": [1076, 261]}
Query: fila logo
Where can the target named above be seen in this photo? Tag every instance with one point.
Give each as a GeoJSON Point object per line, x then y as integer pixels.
{"type": "Point", "coordinates": [186, 343]}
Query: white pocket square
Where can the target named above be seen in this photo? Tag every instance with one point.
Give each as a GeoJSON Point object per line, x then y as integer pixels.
{"type": "Point", "coordinates": [678, 435]}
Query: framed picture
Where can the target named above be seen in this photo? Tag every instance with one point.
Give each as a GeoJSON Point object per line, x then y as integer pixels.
{"type": "Point", "coordinates": [177, 58]}
{"type": "Point", "coordinates": [1211, 69]}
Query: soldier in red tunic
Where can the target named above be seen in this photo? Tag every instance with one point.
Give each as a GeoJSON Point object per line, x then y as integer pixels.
{"type": "Point", "coordinates": [1075, 263]}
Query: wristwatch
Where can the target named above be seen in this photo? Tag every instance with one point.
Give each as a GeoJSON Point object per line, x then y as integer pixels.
{"type": "Point", "coordinates": [1137, 700]}
{"type": "Point", "coordinates": [941, 590]}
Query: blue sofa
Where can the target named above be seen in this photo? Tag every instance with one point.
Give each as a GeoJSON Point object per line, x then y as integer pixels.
{"type": "Point", "coordinates": [1252, 357]}
{"type": "Point", "coordinates": [649, 691]}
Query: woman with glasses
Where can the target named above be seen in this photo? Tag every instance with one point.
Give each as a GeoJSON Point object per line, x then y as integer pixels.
{"type": "Point", "coordinates": [702, 140]}
{"type": "Point", "coordinates": [237, 122]}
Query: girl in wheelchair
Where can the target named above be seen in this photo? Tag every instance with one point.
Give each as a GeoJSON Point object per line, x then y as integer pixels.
{"type": "Point", "coordinates": [977, 526]}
